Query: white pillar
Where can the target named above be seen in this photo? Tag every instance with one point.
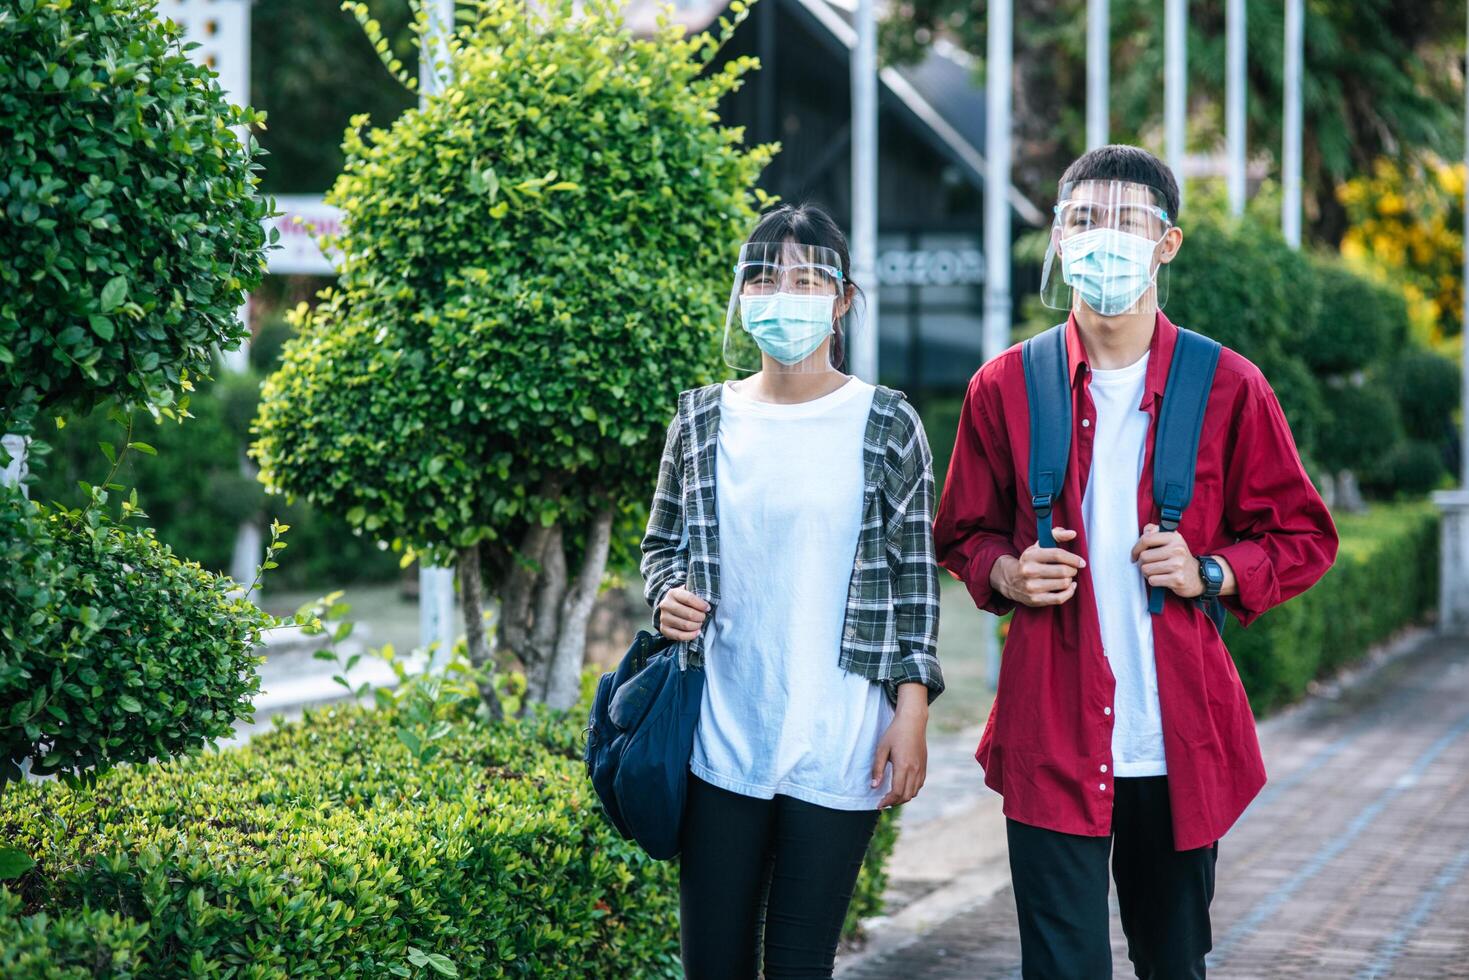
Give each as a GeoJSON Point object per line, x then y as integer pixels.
{"type": "Point", "coordinates": [996, 336]}
{"type": "Point", "coordinates": [1098, 53]}
{"type": "Point", "coordinates": [1464, 323]}
{"type": "Point", "coordinates": [1290, 205]}
{"type": "Point", "coordinates": [864, 188]}
{"type": "Point", "coordinates": [435, 584]}
{"type": "Point", "coordinates": [1234, 102]}
{"type": "Point", "coordinates": [1175, 87]}
{"type": "Point", "coordinates": [12, 474]}
{"type": "Point", "coordinates": [1453, 505]}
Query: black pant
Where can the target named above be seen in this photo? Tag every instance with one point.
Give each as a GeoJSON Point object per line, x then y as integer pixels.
{"type": "Point", "coordinates": [1164, 895]}
{"type": "Point", "coordinates": [783, 867]}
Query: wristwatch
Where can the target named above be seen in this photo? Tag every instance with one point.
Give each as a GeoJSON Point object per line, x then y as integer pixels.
{"type": "Point", "coordinates": [1212, 574]}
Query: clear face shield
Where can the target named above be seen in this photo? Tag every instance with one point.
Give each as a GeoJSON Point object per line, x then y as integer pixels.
{"type": "Point", "coordinates": [1106, 248]}
{"type": "Point", "coordinates": [789, 310]}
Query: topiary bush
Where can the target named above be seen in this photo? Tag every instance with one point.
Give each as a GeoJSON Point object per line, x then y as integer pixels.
{"type": "Point", "coordinates": [1411, 468]}
{"type": "Point", "coordinates": [75, 946]}
{"type": "Point", "coordinates": [114, 649]}
{"type": "Point", "coordinates": [531, 274]}
{"type": "Point", "coordinates": [323, 849]}
{"type": "Point", "coordinates": [1364, 427]}
{"type": "Point", "coordinates": [132, 226]}
{"type": "Point", "coordinates": [1426, 386]}
{"type": "Point", "coordinates": [1358, 322]}
{"type": "Point", "coordinates": [1237, 281]}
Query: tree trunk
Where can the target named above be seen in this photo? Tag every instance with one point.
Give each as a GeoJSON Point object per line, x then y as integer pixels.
{"type": "Point", "coordinates": [472, 598]}
{"type": "Point", "coordinates": [563, 685]}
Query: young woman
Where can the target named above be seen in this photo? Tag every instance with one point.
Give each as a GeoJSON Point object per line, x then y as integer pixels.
{"type": "Point", "coordinates": [789, 552]}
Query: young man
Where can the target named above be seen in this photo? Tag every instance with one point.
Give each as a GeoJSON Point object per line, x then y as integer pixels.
{"type": "Point", "coordinates": [1116, 732]}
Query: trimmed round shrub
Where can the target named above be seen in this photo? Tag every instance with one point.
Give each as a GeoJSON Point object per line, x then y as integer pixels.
{"type": "Point", "coordinates": [535, 264]}
{"type": "Point", "coordinates": [116, 650]}
{"type": "Point", "coordinates": [132, 226]}
{"type": "Point", "coordinates": [323, 849]}
{"type": "Point", "coordinates": [1358, 323]}
{"type": "Point", "coordinates": [1427, 388]}
{"type": "Point", "coordinates": [533, 271]}
{"type": "Point", "coordinates": [1237, 281]}
{"type": "Point", "coordinates": [1411, 467]}
{"type": "Point", "coordinates": [1363, 427]}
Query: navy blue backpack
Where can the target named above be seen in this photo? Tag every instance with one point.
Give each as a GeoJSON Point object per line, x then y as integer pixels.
{"type": "Point", "coordinates": [1175, 445]}
{"type": "Point", "coordinates": [639, 739]}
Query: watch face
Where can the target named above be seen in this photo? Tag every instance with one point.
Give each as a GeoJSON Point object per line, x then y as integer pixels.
{"type": "Point", "coordinates": [1213, 574]}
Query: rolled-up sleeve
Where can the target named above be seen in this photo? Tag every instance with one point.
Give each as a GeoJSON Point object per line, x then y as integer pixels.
{"type": "Point", "coordinates": [1285, 539]}
{"type": "Point", "coordinates": [665, 542]}
{"type": "Point", "coordinates": [976, 516]}
{"type": "Point", "coordinates": [916, 592]}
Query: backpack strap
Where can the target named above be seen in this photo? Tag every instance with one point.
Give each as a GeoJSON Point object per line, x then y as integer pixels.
{"type": "Point", "coordinates": [1176, 445]}
{"type": "Point", "coordinates": [1048, 395]}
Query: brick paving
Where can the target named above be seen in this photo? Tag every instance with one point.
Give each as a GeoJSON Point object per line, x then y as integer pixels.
{"type": "Point", "coordinates": [1353, 862]}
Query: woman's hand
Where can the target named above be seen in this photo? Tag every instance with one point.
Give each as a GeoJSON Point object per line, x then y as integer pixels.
{"type": "Point", "coordinates": [681, 614]}
{"type": "Point", "coordinates": [905, 745]}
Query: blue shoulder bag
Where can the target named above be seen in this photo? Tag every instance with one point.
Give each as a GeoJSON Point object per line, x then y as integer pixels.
{"type": "Point", "coordinates": [1175, 445]}
{"type": "Point", "coordinates": [639, 739]}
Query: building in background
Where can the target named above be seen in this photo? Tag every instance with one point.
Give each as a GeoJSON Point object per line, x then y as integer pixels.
{"type": "Point", "coordinates": [931, 194]}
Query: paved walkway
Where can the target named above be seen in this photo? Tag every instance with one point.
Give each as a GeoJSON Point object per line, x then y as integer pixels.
{"type": "Point", "coordinates": [1353, 862]}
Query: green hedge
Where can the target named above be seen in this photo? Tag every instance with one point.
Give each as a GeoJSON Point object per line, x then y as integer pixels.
{"type": "Point", "coordinates": [322, 848]}
{"type": "Point", "coordinates": [1384, 578]}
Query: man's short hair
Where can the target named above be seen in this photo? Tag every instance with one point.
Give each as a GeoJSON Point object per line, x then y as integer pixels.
{"type": "Point", "coordinates": [1131, 163]}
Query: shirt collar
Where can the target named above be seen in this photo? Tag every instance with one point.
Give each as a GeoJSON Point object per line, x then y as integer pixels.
{"type": "Point", "coordinates": [1160, 351]}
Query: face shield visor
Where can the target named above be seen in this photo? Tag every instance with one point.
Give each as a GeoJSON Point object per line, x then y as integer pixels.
{"type": "Point", "coordinates": [1105, 248]}
{"type": "Point", "coordinates": [788, 311]}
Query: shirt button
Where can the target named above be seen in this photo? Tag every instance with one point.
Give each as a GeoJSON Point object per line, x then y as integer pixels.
{"type": "Point", "coordinates": [1102, 787]}
{"type": "Point", "coordinates": [1104, 767]}
{"type": "Point", "coordinates": [1106, 711]}
{"type": "Point", "coordinates": [1086, 423]}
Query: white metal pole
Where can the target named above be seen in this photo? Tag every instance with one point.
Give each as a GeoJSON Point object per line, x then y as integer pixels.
{"type": "Point", "coordinates": [1175, 86]}
{"type": "Point", "coordinates": [1464, 327]}
{"type": "Point", "coordinates": [996, 330]}
{"type": "Point", "coordinates": [1234, 102]}
{"type": "Point", "coordinates": [864, 188]}
{"type": "Point", "coordinates": [1098, 51]}
{"type": "Point", "coordinates": [12, 474]}
{"type": "Point", "coordinates": [249, 538]}
{"type": "Point", "coordinates": [435, 583]}
{"type": "Point", "coordinates": [1290, 214]}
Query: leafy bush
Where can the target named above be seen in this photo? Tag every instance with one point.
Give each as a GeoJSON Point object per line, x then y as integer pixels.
{"type": "Point", "coordinates": [132, 225]}
{"type": "Point", "coordinates": [1363, 599]}
{"type": "Point", "coordinates": [1410, 468]}
{"type": "Point", "coordinates": [1426, 386]}
{"type": "Point", "coordinates": [322, 848]}
{"type": "Point", "coordinates": [1364, 427]}
{"type": "Point", "coordinates": [115, 650]}
{"type": "Point", "coordinates": [75, 946]}
{"type": "Point", "coordinates": [1359, 322]}
{"type": "Point", "coordinates": [527, 285]}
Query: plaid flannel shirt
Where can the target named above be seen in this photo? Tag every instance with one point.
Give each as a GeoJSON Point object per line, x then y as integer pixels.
{"type": "Point", "coordinates": [892, 608]}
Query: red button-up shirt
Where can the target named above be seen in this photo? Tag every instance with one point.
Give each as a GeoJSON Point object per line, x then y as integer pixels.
{"type": "Point", "coordinates": [1048, 744]}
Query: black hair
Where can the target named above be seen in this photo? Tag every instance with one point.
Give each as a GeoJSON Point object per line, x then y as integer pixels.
{"type": "Point", "coordinates": [1132, 163]}
{"type": "Point", "coordinates": [807, 224]}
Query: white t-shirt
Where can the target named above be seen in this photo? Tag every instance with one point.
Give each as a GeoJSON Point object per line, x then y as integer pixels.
{"type": "Point", "coordinates": [1109, 511]}
{"type": "Point", "coordinates": [779, 715]}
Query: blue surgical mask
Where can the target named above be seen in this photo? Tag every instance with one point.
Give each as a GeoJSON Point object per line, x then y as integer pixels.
{"type": "Point", "coordinates": [1110, 269]}
{"type": "Point", "coordinates": [787, 326]}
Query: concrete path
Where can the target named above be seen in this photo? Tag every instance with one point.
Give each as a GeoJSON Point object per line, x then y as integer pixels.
{"type": "Point", "coordinates": [1353, 862]}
